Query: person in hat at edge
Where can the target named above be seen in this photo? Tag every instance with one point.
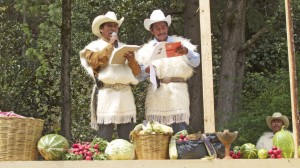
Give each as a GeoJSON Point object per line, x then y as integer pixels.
{"type": "Point", "coordinates": [112, 101]}
{"type": "Point", "coordinates": [169, 103]}
{"type": "Point", "coordinates": [275, 123]}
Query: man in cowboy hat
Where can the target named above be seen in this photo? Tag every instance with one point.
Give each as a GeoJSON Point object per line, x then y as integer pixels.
{"type": "Point", "coordinates": [112, 101]}
{"type": "Point", "coordinates": [169, 103]}
{"type": "Point", "coordinates": [274, 122]}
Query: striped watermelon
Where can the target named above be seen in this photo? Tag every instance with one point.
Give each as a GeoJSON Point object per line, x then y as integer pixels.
{"type": "Point", "coordinates": [53, 146]}
{"type": "Point", "coordinates": [248, 151]}
{"type": "Point", "coordinates": [284, 140]}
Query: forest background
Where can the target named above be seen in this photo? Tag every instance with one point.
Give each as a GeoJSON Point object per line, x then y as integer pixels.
{"type": "Point", "coordinates": [41, 75]}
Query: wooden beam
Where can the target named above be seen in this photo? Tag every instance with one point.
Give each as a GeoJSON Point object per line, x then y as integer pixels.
{"type": "Point", "coordinates": [207, 68]}
{"type": "Point", "coordinates": [189, 163]}
{"type": "Point", "coordinates": [293, 74]}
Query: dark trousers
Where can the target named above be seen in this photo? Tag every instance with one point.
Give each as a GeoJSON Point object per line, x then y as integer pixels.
{"type": "Point", "coordinates": [106, 131]}
{"type": "Point", "coordinates": [178, 127]}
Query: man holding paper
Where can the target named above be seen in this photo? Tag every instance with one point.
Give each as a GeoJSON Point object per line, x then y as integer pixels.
{"type": "Point", "coordinates": [112, 100]}
{"type": "Point", "coordinates": [167, 99]}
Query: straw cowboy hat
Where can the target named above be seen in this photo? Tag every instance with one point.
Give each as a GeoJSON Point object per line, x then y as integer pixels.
{"type": "Point", "coordinates": [108, 17]}
{"type": "Point", "coordinates": [156, 16]}
{"type": "Point", "coordinates": [279, 116]}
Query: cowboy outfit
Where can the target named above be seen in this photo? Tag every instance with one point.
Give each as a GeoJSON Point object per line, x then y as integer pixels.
{"type": "Point", "coordinates": [169, 103]}
{"type": "Point", "coordinates": [112, 100]}
{"type": "Point", "coordinates": [266, 140]}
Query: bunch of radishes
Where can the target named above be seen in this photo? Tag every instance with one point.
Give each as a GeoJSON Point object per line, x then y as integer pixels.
{"type": "Point", "coordinates": [275, 153]}
{"type": "Point", "coordinates": [84, 150]}
{"type": "Point", "coordinates": [182, 138]}
{"type": "Point", "coordinates": [87, 150]}
{"type": "Point", "coordinates": [235, 153]}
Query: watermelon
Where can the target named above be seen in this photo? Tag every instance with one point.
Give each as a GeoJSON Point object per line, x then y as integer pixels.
{"type": "Point", "coordinates": [284, 140]}
{"type": "Point", "coordinates": [53, 146]}
{"type": "Point", "coordinates": [248, 151]}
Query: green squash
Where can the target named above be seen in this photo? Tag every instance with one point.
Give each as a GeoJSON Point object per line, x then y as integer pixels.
{"type": "Point", "coordinates": [284, 140]}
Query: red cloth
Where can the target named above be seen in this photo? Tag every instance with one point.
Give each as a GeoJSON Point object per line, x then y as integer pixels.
{"type": "Point", "coordinates": [10, 114]}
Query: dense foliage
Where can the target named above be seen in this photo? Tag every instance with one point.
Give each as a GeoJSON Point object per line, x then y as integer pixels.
{"type": "Point", "coordinates": [31, 54]}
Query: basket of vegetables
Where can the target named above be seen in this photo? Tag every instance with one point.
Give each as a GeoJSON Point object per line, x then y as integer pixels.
{"type": "Point", "coordinates": [19, 136]}
{"type": "Point", "coordinates": [151, 141]}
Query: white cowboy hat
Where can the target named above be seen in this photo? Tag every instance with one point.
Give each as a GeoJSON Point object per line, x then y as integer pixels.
{"type": "Point", "coordinates": [279, 116]}
{"type": "Point", "coordinates": [99, 20]}
{"type": "Point", "coordinates": [156, 16]}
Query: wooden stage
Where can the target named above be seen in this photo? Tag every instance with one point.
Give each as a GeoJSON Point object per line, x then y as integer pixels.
{"type": "Point", "coordinates": [193, 163]}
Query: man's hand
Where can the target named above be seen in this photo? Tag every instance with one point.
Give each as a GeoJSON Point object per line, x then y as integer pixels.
{"type": "Point", "coordinates": [182, 50]}
{"type": "Point", "coordinates": [129, 56]}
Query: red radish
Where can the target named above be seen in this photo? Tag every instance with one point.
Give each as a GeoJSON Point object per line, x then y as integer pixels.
{"type": "Point", "coordinates": [182, 136]}
{"type": "Point", "coordinates": [89, 153]}
{"type": "Point", "coordinates": [239, 153]}
{"type": "Point", "coordinates": [75, 145]}
{"type": "Point", "coordinates": [278, 156]}
{"type": "Point", "coordinates": [96, 146]}
{"type": "Point", "coordinates": [274, 148]}
{"type": "Point", "coordinates": [278, 151]}
{"type": "Point", "coordinates": [270, 152]}
{"type": "Point", "coordinates": [88, 158]}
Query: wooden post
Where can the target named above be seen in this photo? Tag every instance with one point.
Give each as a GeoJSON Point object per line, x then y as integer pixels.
{"type": "Point", "coordinates": [293, 74]}
{"type": "Point", "coordinates": [207, 68]}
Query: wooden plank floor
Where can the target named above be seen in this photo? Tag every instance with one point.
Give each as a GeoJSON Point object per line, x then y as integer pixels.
{"type": "Point", "coordinates": [231, 163]}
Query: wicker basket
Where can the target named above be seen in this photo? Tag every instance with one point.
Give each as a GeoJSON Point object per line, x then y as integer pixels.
{"type": "Point", "coordinates": [151, 147]}
{"type": "Point", "coordinates": [19, 137]}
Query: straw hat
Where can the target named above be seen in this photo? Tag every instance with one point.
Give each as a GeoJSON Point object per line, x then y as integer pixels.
{"type": "Point", "coordinates": [279, 116]}
{"type": "Point", "coordinates": [108, 17]}
{"type": "Point", "coordinates": [156, 16]}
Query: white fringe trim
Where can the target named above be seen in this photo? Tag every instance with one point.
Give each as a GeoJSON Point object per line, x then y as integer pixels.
{"type": "Point", "coordinates": [170, 119]}
{"type": "Point", "coordinates": [116, 119]}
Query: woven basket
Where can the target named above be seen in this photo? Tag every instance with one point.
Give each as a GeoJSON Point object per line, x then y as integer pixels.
{"type": "Point", "coordinates": [151, 147]}
{"type": "Point", "coordinates": [19, 137]}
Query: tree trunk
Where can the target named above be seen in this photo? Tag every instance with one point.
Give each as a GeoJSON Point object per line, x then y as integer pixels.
{"type": "Point", "coordinates": [192, 31]}
{"type": "Point", "coordinates": [65, 64]}
{"type": "Point", "coordinates": [232, 61]}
